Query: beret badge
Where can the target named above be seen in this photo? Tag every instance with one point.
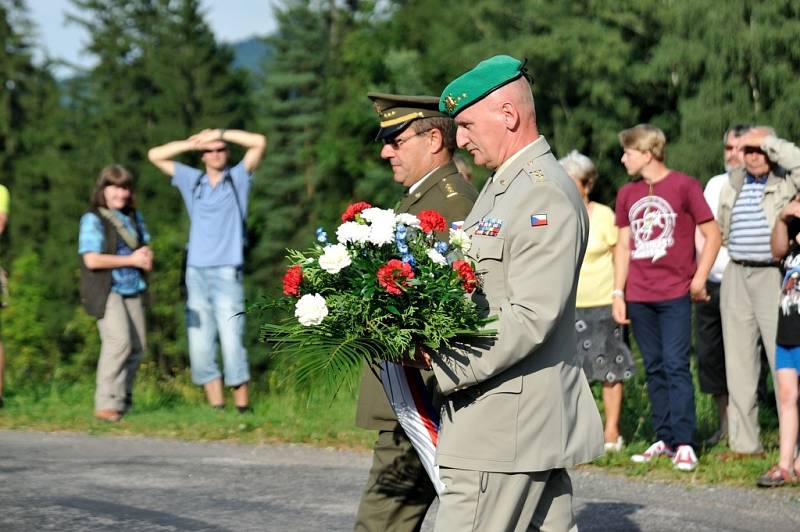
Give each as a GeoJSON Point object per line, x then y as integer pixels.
{"type": "Point", "coordinates": [449, 104]}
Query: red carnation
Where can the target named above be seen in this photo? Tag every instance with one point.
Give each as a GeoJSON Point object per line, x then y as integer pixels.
{"type": "Point", "coordinates": [467, 275]}
{"type": "Point", "coordinates": [393, 275]}
{"type": "Point", "coordinates": [431, 221]}
{"type": "Point", "coordinates": [292, 279]}
{"type": "Point", "coordinates": [353, 209]}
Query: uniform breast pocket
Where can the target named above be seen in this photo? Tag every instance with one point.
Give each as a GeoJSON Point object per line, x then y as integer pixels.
{"type": "Point", "coordinates": [487, 252]}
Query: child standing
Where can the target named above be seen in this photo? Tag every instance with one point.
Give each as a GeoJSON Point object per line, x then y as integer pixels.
{"type": "Point", "coordinates": [785, 242]}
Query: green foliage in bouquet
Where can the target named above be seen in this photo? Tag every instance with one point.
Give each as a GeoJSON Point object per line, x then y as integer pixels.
{"type": "Point", "coordinates": [387, 284]}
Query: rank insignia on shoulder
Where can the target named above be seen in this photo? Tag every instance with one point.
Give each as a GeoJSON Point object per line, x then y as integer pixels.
{"type": "Point", "coordinates": [489, 226]}
{"type": "Point", "coordinates": [538, 176]}
{"type": "Point", "coordinates": [538, 220]}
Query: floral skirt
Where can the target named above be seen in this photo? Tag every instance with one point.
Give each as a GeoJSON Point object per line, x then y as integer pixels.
{"type": "Point", "coordinates": [601, 342]}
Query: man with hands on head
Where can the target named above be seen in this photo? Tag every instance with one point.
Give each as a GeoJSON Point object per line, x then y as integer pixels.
{"type": "Point", "coordinates": [750, 203]}
{"type": "Point", "coordinates": [216, 200]}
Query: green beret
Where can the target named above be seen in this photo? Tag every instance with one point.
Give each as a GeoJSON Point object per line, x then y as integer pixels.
{"type": "Point", "coordinates": [397, 111]}
{"type": "Point", "coordinates": [474, 85]}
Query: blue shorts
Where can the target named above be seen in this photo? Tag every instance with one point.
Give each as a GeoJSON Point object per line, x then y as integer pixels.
{"type": "Point", "coordinates": [787, 357]}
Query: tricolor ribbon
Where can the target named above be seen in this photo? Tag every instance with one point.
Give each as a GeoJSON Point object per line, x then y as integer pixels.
{"type": "Point", "coordinates": [415, 412]}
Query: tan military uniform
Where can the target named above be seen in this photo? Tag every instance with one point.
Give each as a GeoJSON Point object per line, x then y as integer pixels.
{"type": "Point", "coordinates": [519, 403]}
{"type": "Point", "coordinates": [398, 491]}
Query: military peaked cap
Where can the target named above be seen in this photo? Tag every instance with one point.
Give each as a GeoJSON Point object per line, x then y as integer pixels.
{"type": "Point", "coordinates": [397, 111]}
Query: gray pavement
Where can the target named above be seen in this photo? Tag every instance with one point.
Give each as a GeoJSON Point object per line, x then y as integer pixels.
{"type": "Point", "coordinates": [75, 482]}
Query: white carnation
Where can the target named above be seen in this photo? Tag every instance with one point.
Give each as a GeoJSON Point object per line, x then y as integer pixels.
{"type": "Point", "coordinates": [408, 219]}
{"type": "Point", "coordinates": [381, 231]}
{"type": "Point", "coordinates": [334, 258]}
{"type": "Point", "coordinates": [352, 232]}
{"type": "Point", "coordinates": [311, 310]}
{"type": "Point", "coordinates": [459, 239]}
{"type": "Point", "coordinates": [436, 257]}
{"type": "Point", "coordinates": [382, 227]}
{"type": "Point", "coordinates": [374, 213]}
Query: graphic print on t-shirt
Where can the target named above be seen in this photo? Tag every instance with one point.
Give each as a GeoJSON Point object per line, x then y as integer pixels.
{"type": "Point", "coordinates": [652, 221]}
{"type": "Point", "coordinates": [790, 296]}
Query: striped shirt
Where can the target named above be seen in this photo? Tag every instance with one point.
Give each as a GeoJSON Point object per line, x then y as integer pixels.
{"type": "Point", "coordinates": [750, 233]}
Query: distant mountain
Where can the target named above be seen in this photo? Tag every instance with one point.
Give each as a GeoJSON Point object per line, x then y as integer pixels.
{"type": "Point", "coordinates": [250, 54]}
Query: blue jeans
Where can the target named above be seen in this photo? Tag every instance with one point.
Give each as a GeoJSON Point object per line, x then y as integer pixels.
{"type": "Point", "coordinates": [214, 307]}
{"type": "Point", "coordinates": [663, 331]}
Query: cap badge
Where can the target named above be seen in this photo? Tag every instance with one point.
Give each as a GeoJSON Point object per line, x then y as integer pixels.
{"type": "Point", "coordinates": [449, 103]}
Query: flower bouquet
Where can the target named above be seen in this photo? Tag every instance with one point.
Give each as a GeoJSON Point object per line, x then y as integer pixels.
{"type": "Point", "coordinates": [386, 284]}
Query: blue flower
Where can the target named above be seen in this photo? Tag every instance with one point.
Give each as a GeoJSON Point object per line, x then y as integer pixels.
{"type": "Point", "coordinates": [402, 247]}
{"type": "Point", "coordinates": [401, 232]}
{"type": "Point", "coordinates": [322, 236]}
{"type": "Point", "coordinates": [408, 258]}
{"type": "Point", "coordinates": [441, 247]}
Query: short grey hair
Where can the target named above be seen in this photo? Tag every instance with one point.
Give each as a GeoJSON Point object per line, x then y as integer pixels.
{"type": "Point", "coordinates": [737, 130]}
{"type": "Point", "coordinates": [579, 167]}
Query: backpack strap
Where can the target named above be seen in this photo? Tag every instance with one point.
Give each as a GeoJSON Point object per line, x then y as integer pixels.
{"type": "Point", "coordinates": [131, 240]}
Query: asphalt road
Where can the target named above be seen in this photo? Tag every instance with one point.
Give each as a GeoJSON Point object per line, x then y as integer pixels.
{"type": "Point", "coordinates": [75, 482]}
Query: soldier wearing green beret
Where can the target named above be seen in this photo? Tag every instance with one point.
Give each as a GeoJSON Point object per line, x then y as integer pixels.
{"type": "Point", "coordinates": [418, 143]}
{"type": "Point", "coordinates": [518, 409]}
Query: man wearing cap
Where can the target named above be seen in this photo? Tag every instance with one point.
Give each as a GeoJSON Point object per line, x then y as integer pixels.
{"type": "Point", "coordinates": [518, 409]}
{"type": "Point", "coordinates": [418, 142]}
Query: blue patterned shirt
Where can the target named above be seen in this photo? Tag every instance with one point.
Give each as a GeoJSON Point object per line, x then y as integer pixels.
{"type": "Point", "coordinates": [125, 281]}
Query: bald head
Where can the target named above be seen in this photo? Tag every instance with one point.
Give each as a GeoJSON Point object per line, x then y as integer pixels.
{"type": "Point", "coordinates": [498, 126]}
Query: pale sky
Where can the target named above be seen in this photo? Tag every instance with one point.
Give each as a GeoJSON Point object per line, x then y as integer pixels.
{"type": "Point", "coordinates": [230, 20]}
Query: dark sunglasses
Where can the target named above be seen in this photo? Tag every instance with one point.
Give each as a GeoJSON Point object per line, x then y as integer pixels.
{"type": "Point", "coordinates": [396, 143]}
{"type": "Point", "coordinates": [752, 149]}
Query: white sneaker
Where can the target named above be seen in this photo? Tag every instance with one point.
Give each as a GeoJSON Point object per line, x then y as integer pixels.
{"type": "Point", "coordinates": [659, 448]}
{"type": "Point", "coordinates": [685, 459]}
{"type": "Point", "coordinates": [614, 446]}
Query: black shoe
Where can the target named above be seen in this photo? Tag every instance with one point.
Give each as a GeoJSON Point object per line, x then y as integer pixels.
{"type": "Point", "coordinates": [245, 409]}
{"type": "Point", "coordinates": [1, 401]}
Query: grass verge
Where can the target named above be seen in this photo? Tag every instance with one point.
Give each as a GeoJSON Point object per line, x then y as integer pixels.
{"type": "Point", "coordinates": [176, 409]}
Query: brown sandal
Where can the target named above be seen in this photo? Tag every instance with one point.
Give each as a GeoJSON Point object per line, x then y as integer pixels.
{"type": "Point", "coordinates": [776, 477]}
{"type": "Point", "coordinates": [112, 416]}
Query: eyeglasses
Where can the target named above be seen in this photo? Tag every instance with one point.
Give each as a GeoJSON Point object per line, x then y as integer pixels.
{"type": "Point", "coordinates": [395, 143]}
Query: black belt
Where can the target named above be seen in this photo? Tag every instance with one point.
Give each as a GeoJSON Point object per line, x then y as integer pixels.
{"type": "Point", "coordinates": [755, 264]}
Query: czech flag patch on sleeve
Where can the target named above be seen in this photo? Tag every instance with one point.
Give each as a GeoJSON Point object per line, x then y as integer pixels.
{"type": "Point", "coordinates": [538, 220]}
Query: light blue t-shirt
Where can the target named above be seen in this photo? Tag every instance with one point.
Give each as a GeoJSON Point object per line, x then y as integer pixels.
{"type": "Point", "coordinates": [91, 238]}
{"type": "Point", "coordinates": [215, 234]}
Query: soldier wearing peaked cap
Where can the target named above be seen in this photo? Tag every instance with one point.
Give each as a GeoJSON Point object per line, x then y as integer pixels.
{"type": "Point", "coordinates": [518, 409]}
{"type": "Point", "coordinates": [418, 142]}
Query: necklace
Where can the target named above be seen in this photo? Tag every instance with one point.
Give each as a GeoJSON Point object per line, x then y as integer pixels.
{"type": "Point", "coordinates": [650, 186]}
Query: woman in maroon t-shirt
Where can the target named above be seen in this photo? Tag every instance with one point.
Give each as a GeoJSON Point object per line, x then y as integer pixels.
{"type": "Point", "coordinates": [657, 276]}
